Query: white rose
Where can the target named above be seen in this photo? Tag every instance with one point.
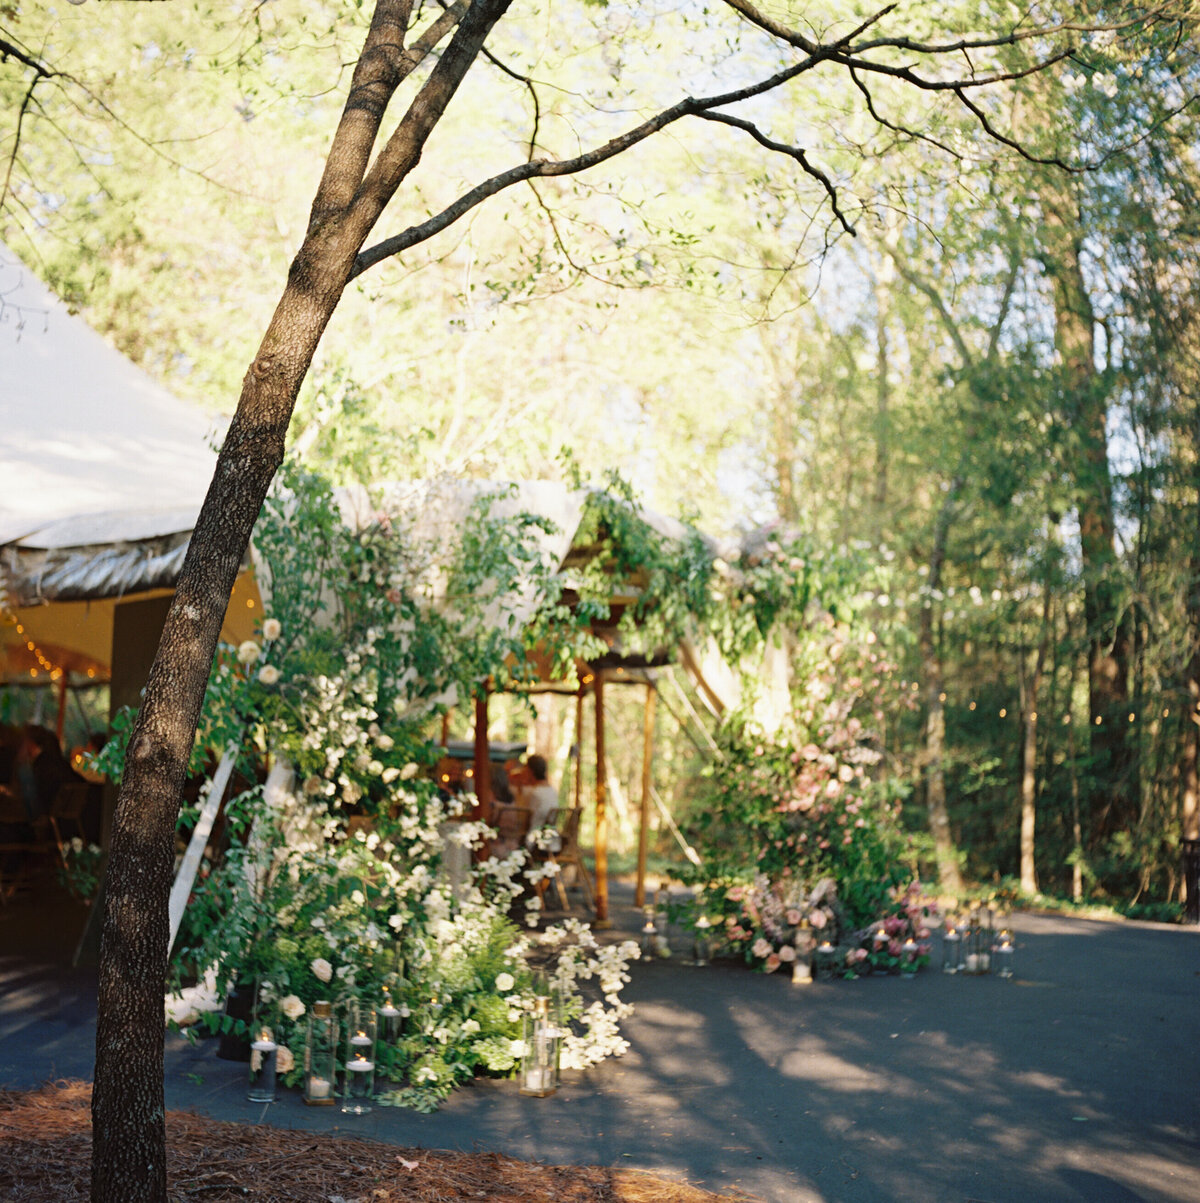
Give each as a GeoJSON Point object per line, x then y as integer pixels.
{"type": "Point", "coordinates": [323, 969]}
{"type": "Point", "coordinates": [285, 1060]}
{"type": "Point", "coordinates": [268, 674]}
{"type": "Point", "coordinates": [409, 771]}
{"type": "Point", "coordinates": [291, 1006]}
{"type": "Point", "coordinates": [504, 982]}
{"type": "Point", "coordinates": [272, 629]}
{"type": "Point", "coordinates": [248, 652]}
{"type": "Point", "coordinates": [390, 775]}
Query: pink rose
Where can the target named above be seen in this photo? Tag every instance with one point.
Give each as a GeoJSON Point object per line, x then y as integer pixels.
{"type": "Point", "coordinates": [772, 964]}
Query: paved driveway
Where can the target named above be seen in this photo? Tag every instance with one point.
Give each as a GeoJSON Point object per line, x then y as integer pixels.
{"type": "Point", "coordinates": [1079, 1080]}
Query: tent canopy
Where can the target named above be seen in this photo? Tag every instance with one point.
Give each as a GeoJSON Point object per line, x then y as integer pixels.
{"type": "Point", "coordinates": [86, 432]}
{"type": "Point", "coordinates": [102, 474]}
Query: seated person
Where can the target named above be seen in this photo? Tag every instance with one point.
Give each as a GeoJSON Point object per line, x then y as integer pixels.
{"type": "Point", "coordinates": [541, 797]}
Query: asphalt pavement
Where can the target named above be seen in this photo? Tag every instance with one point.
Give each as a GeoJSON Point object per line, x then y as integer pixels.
{"type": "Point", "coordinates": [1076, 1080]}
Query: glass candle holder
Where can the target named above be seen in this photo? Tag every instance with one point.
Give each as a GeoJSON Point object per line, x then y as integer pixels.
{"type": "Point", "coordinates": [649, 932]}
{"type": "Point", "coordinates": [825, 961]}
{"type": "Point", "coordinates": [802, 966]}
{"type": "Point", "coordinates": [360, 1059]}
{"type": "Point", "coordinates": [951, 949]}
{"type": "Point", "coordinates": [263, 1050]}
{"type": "Point", "coordinates": [908, 958]}
{"type": "Point", "coordinates": [1003, 954]}
{"type": "Point", "coordinates": [391, 1019]}
{"type": "Point", "coordinates": [703, 941]}
{"type": "Point", "coordinates": [879, 948]}
{"type": "Point", "coordinates": [539, 1059]}
{"type": "Point", "coordinates": [320, 1056]}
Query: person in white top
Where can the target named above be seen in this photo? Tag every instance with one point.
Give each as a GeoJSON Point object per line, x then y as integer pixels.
{"type": "Point", "coordinates": [541, 797]}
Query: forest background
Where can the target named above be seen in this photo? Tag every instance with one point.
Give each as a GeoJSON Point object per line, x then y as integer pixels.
{"type": "Point", "coordinates": [988, 396]}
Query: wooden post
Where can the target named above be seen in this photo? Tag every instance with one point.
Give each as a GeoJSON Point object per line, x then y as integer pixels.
{"type": "Point", "coordinates": [482, 761]}
{"type": "Point", "coordinates": [601, 850]}
{"type": "Point", "coordinates": [639, 897]}
{"type": "Point", "coordinates": [579, 748]}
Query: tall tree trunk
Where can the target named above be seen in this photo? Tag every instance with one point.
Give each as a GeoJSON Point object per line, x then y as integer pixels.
{"type": "Point", "coordinates": [885, 282]}
{"type": "Point", "coordinates": [128, 1133]}
{"type": "Point", "coordinates": [129, 1161]}
{"type": "Point", "coordinates": [1085, 415]}
{"type": "Point", "coordinates": [945, 851]}
{"type": "Point", "coordinates": [1190, 753]}
{"type": "Point", "coordinates": [1030, 683]}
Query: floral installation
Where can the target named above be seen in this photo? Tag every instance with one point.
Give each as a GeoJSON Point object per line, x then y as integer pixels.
{"type": "Point", "coordinates": [340, 917]}
{"type": "Point", "coordinates": [800, 825]}
{"type": "Point", "coordinates": [339, 883]}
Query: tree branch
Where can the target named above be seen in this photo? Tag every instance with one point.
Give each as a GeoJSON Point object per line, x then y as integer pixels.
{"type": "Point", "coordinates": [688, 107]}
{"type": "Point", "coordinates": [792, 152]}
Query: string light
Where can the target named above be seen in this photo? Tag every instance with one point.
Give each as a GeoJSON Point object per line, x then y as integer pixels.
{"type": "Point", "coordinates": [1003, 712]}
{"type": "Point", "coordinates": [971, 706]}
{"type": "Point", "coordinates": [45, 665]}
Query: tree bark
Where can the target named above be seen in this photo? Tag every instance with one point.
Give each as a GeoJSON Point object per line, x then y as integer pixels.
{"type": "Point", "coordinates": [1030, 683]}
{"type": "Point", "coordinates": [1085, 414]}
{"type": "Point", "coordinates": [945, 851]}
{"type": "Point", "coordinates": [129, 1149]}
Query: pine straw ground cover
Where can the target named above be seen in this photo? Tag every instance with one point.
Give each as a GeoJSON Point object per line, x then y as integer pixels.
{"type": "Point", "coordinates": [46, 1142]}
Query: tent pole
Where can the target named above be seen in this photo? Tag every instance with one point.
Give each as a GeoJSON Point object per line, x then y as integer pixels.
{"type": "Point", "coordinates": [482, 763]}
{"type": "Point", "coordinates": [639, 897]}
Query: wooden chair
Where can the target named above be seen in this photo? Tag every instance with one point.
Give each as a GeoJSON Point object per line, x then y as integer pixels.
{"type": "Point", "coordinates": [66, 815]}
{"type": "Point", "coordinates": [23, 855]}
{"type": "Point", "coordinates": [569, 856]}
{"type": "Point", "coordinates": [512, 826]}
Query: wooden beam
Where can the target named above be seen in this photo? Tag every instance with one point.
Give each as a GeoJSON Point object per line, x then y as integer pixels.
{"type": "Point", "coordinates": [601, 850]}
{"type": "Point", "coordinates": [579, 749]}
{"type": "Point", "coordinates": [639, 897]}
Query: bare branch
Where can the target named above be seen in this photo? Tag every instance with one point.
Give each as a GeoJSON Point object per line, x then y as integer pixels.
{"type": "Point", "coordinates": [890, 125]}
{"type": "Point", "coordinates": [12, 50]}
{"type": "Point", "coordinates": [530, 88]}
{"type": "Point", "coordinates": [26, 101]}
{"type": "Point", "coordinates": [1015, 37]}
{"type": "Point", "coordinates": [688, 107]}
{"type": "Point", "coordinates": [793, 152]}
{"type": "Point", "coordinates": [794, 38]}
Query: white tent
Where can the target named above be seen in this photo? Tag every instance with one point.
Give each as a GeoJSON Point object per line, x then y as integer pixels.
{"type": "Point", "coordinates": [102, 474]}
{"type": "Point", "coordinates": [85, 432]}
